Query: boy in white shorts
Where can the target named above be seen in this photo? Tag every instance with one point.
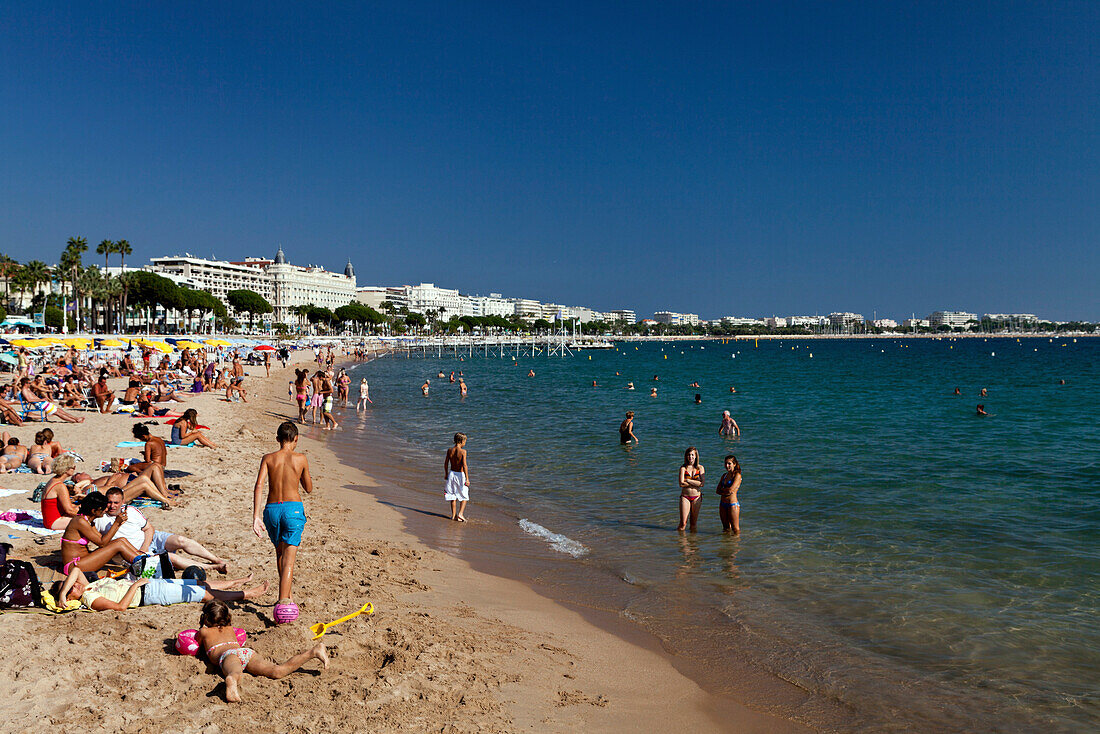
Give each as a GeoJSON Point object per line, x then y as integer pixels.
{"type": "Point", "coordinates": [456, 488]}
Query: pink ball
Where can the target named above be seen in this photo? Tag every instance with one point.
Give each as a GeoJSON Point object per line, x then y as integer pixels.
{"type": "Point", "coordinates": [285, 613]}
{"type": "Point", "coordinates": [186, 644]}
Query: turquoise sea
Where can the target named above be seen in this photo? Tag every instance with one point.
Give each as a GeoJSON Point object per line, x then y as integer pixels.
{"type": "Point", "coordinates": [902, 560]}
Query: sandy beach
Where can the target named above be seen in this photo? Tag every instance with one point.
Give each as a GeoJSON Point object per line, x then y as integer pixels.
{"type": "Point", "coordinates": [448, 648]}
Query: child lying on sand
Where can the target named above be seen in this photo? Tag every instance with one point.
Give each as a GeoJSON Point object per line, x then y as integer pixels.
{"type": "Point", "coordinates": [218, 639]}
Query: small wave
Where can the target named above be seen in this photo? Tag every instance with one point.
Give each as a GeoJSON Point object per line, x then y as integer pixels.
{"type": "Point", "coordinates": [558, 542]}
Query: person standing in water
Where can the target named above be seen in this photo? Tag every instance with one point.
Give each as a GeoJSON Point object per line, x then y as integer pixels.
{"type": "Point", "coordinates": [456, 489]}
{"type": "Point", "coordinates": [729, 509]}
{"type": "Point", "coordinates": [626, 429]}
{"type": "Point", "coordinates": [692, 479]}
{"type": "Point", "coordinates": [283, 515]}
{"type": "Point", "coordinates": [729, 426]}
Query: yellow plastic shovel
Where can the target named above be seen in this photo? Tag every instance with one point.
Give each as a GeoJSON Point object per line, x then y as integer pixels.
{"type": "Point", "coordinates": [321, 628]}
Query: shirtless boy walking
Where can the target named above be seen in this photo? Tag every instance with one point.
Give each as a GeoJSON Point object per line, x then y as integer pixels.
{"type": "Point", "coordinates": [457, 486]}
{"type": "Point", "coordinates": [284, 515]}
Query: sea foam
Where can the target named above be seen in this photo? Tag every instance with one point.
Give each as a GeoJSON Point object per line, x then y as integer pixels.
{"type": "Point", "coordinates": [558, 542]}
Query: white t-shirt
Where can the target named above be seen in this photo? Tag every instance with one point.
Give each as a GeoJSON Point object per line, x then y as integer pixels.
{"type": "Point", "coordinates": [132, 530]}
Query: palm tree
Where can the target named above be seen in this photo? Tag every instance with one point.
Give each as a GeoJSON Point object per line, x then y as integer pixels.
{"type": "Point", "coordinates": [71, 265]}
{"type": "Point", "coordinates": [37, 272]}
{"type": "Point", "coordinates": [91, 285]}
{"type": "Point", "coordinates": [105, 248]}
{"type": "Point", "coordinates": [122, 247]}
{"type": "Point", "coordinates": [8, 269]}
{"type": "Point", "coordinates": [112, 291]}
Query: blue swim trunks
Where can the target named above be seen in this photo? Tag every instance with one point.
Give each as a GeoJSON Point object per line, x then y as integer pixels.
{"type": "Point", "coordinates": [285, 522]}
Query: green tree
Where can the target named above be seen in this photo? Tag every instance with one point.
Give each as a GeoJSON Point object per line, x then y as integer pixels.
{"type": "Point", "coordinates": [249, 302]}
{"type": "Point", "coordinates": [105, 248]}
{"type": "Point", "coordinates": [71, 266]}
{"type": "Point", "coordinates": [415, 320]}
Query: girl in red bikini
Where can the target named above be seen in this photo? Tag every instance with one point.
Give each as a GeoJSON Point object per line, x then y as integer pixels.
{"type": "Point", "coordinates": [692, 479]}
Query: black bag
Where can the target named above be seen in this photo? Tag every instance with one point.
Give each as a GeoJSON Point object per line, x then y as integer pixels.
{"type": "Point", "coordinates": [159, 566]}
{"type": "Point", "coordinates": [19, 586]}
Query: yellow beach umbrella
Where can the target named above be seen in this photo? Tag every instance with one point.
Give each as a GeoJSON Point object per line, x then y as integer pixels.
{"type": "Point", "coordinates": [153, 343]}
{"type": "Point", "coordinates": [110, 343]}
{"type": "Point", "coordinates": [29, 343]}
{"type": "Point", "coordinates": [188, 344]}
{"type": "Point", "coordinates": [79, 342]}
{"type": "Point", "coordinates": [218, 343]}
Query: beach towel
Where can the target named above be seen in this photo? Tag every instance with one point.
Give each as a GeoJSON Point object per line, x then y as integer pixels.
{"type": "Point", "coordinates": [29, 520]}
{"type": "Point", "coordinates": [10, 492]}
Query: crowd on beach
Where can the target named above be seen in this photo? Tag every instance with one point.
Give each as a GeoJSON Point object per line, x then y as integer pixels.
{"type": "Point", "coordinates": [110, 555]}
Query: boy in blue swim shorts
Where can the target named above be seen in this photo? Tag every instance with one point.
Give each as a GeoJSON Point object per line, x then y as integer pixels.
{"type": "Point", "coordinates": [283, 516]}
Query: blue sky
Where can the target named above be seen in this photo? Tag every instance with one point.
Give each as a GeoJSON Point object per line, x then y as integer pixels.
{"type": "Point", "coordinates": [725, 159]}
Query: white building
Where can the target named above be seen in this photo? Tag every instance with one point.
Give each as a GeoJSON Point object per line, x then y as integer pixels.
{"type": "Point", "coordinates": [623, 315]}
{"type": "Point", "coordinates": [809, 322]}
{"type": "Point", "coordinates": [371, 295]}
{"type": "Point", "coordinates": [844, 319]}
{"type": "Point", "coordinates": [740, 321]}
{"type": "Point", "coordinates": [776, 322]}
{"type": "Point", "coordinates": [951, 318]}
{"type": "Point", "coordinates": [526, 309]}
{"type": "Point", "coordinates": [491, 305]}
{"type": "Point", "coordinates": [1015, 320]}
{"type": "Point", "coordinates": [672, 318]}
{"type": "Point", "coordinates": [283, 285]}
{"type": "Point", "coordinates": [884, 323]}
{"type": "Point", "coordinates": [916, 323]}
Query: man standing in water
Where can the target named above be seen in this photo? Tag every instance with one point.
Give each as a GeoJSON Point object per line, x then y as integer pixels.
{"type": "Point", "coordinates": [284, 515]}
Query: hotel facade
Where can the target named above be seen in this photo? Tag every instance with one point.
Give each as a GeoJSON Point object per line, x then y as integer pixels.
{"type": "Point", "coordinates": [283, 285]}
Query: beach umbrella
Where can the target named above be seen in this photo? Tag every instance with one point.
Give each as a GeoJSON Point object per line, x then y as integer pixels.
{"type": "Point", "coordinates": [263, 348]}
{"type": "Point", "coordinates": [28, 343]}
{"type": "Point", "coordinates": [188, 344]}
{"type": "Point", "coordinates": [80, 342]}
{"type": "Point", "coordinates": [158, 345]}
{"type": "Point", "coordinates": [218, 343]}
{"type": "Point", "coordinates": [110, 343]}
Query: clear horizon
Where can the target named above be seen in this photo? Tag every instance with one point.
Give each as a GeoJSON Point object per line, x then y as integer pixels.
{"type": "Point", "coordinates": [721, 160]}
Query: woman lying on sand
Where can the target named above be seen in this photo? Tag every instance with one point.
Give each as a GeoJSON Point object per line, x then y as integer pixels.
{"type": "Point", "coordinates": [120, 595]}
{"type": "Point", "coordinates": [217, 637]}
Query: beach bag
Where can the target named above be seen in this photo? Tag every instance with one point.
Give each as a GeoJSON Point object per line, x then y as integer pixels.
{"type": "Point", "coordinates": [153, 567]}
{"type": "Point", "coordinates": [19, 586]}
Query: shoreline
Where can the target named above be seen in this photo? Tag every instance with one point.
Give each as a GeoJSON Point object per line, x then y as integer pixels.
{"type": "Point", "coordinates": [448, 647]}
{"type": "Point", "coordinates": [610, 643]}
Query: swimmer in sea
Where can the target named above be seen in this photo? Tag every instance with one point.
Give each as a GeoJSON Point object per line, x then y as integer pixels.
{"type": "Point", "coordinates": [981, 410]}
{"type": "Point", "coordinates": [692, 479]}
{"type": "Point", "coordinates": [653, 393]}
{"type": "Point", "coordinates": [729, 426]}
{"type": "Point", "coordinates": [958, 391]}
{"type": "Point", "coordinates": [452, 377]}
{"type": "Point", "coordinates": [656, 379]}
{"type": "Point", "coordinates": [983, 393]}
{"type": "Point", "coordinates": [441, 375]}
{"type": "Point", "coordinates": [698, 399]}
{"type": "Point", "coordinates": [630, 386]}
{"type": "Point", "coordinates": [694, 384]}
{"type": "Point", "coordinates": [729, 509]}
{"type": "Point", "coordinates": [626, 429]}
{"type": "Point", "coordinates": [530, 373]}
{"type": "Point", "coordinates": [733, 389]}
{"type": "Point", "coordinates": [424, 387]}
{"type": "Point", "coordinates": [461, 387]}
{"type": "Point", "coordinates": [594, 384]}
